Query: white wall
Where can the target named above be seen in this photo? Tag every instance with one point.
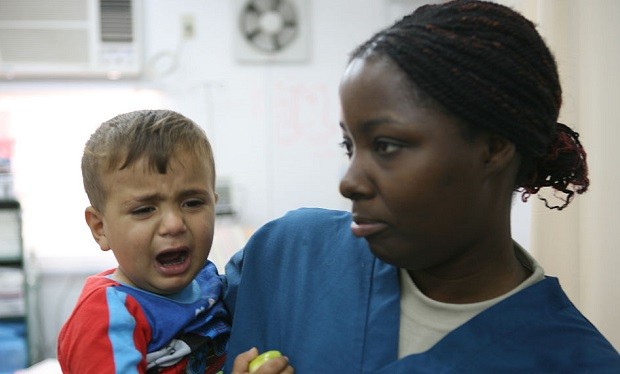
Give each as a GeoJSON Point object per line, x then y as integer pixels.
{"type": "Point", "coordinates": [274, 129]}
{"type": "Point", "coordinates": [579, 245]}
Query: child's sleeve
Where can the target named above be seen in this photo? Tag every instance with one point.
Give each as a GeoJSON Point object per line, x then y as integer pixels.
{"type": "Point", "coordinates": [107, 333]}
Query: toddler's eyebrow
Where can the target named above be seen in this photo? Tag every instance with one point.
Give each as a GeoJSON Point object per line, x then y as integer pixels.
{"type": "Point", "coordinates": [194, 191]}
{"type": "Point", "coordinates": [146, 198]}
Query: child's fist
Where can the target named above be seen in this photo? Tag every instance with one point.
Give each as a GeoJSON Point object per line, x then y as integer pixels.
{"type": "Point", "coordinates": [251, 362]}
{"type": "Point", "coordinates": [261, 359]}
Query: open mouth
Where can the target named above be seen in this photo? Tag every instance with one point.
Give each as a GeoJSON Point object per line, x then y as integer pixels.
{"type": "Point", "coordinates": [172, 258]}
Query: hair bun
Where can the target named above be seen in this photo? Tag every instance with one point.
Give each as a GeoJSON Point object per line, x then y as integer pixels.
{"type": "Point", "coordinates": [563, 168]}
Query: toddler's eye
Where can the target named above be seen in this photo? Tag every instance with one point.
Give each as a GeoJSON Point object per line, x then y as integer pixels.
{"type": "Point", "coordinates": [194, 203]}
{"type": "Point", "coordinates": [142, 210]}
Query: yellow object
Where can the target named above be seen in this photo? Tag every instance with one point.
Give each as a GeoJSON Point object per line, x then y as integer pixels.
{"type": "Point", "coordinates": [261, 359]}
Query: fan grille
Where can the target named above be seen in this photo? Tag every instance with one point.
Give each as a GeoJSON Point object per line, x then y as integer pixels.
{"type": "Point", "coordinates": [269, 25]}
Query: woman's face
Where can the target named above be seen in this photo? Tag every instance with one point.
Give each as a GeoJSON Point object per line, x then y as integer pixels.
{"type": "Point", "coordinates": [418, 187]}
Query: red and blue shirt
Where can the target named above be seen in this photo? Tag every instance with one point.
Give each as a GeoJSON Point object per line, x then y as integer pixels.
{"type": "Point", "coordinates": [115, 328]}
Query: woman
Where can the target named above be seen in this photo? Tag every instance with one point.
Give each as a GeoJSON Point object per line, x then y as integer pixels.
{"type": "Point", "coordinates": [446, 115]}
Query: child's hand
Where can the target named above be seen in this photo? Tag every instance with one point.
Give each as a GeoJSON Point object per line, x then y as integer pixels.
{"type": "Point", "coordinates": [273, 366]}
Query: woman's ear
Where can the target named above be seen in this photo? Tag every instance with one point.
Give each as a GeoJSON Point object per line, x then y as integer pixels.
{"type": "Point", "coordinates": [94, 220]}
{"type": "Point", "coordinates": [500, 153]}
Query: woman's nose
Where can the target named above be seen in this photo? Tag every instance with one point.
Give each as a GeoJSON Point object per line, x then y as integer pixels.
{"type": "Point", "coordinates": [355, 184]}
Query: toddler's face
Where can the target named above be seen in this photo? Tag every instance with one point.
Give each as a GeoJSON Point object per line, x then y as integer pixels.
{"type": "Point", "coordinates": [159, 226]}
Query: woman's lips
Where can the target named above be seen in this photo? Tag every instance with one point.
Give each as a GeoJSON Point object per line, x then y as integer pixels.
{"type": "Point", "coordinates": [363, 229]}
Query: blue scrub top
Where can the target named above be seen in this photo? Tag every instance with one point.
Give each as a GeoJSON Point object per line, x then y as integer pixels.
{"type": "Point", "coordinates": [304, 285]}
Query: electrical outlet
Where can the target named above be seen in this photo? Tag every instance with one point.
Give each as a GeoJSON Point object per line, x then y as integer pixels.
{"type": "Point", "coordinates": [187, 23]}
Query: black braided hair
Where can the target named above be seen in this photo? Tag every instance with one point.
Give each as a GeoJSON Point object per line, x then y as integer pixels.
{"type": "Point", "coordinates": [486, 64]}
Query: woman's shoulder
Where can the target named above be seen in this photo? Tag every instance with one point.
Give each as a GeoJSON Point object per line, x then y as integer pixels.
{"type": "Point", "coordinates": [305, 218]}
{"type": "Point", "coordinates": [315, 228]}
{"type": "Point", "coordinates": [316, 213]}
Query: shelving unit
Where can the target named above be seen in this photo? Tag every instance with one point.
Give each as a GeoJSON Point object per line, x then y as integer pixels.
{"type": "Point", "coordinates": [13, 293]}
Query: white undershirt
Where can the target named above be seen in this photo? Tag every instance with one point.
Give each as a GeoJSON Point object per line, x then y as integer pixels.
{"type": "Point", "coordinates": [424, 321]}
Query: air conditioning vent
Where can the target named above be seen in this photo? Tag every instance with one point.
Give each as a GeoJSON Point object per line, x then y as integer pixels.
{"type": "Point", "coordinates": [70, 38]}
{"type": "Point", "coordinates": [116, 21]}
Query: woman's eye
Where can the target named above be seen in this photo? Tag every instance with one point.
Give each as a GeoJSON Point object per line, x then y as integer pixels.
{"type": "Point", "coordinates": [387, 147]}
{"type": "Point", "coordinates": [348, 146]}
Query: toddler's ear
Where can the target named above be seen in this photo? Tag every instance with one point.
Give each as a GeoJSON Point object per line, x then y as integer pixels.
{"type": "Point", "coordinates": [94, 220]}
